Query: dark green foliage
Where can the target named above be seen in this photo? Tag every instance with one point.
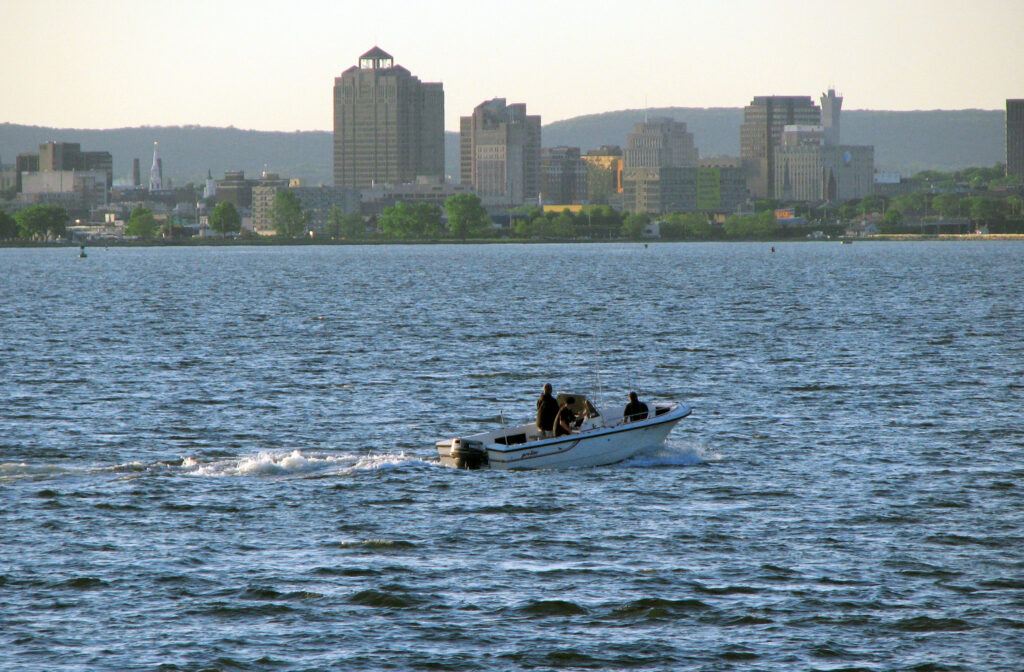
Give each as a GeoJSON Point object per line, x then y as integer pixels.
{"type": "Point", "coordinates": [287, 215]}
{"type": "Point", "coordinates": [412, 221]}
{"type": "Point", "coordinates": [225, 218]}
{"type": "Point", "coordinates": [42, 221]}
{"type": "Point", "coordinates": [466, 216]}
{"type": "Point", "coordinates": [141, 224]}
{"type": "Point", "coordinates": [8, 226]}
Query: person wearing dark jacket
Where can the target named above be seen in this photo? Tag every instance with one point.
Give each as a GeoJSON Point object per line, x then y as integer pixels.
{"type": "Point", "coordinates": [547, 409]}
{"type": "Point", "coordinates": [566, 420]}
{"type": "Point", "coordinates": [635, 409]}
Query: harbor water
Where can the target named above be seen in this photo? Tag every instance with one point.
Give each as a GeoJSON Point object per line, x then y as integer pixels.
{"type": "Point", "coordinates": [222, 458]}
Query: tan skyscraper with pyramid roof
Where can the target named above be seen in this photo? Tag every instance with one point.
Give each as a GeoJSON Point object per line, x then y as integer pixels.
{"type": "Point", "coordinates": [388, 125]}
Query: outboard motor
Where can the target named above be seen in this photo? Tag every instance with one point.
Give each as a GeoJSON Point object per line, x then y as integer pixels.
{"type": "Point", "coordinates": [468, 454]}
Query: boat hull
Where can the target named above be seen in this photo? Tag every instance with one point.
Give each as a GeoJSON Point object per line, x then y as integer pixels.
{"type": "Point", "coordinates": [593, 447]}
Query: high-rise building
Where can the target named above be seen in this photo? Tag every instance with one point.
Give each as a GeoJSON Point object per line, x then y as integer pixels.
{"type": "Point", "coordinates": [1015, 136]}
{"type": "Point", "coordinates": [721, 186]}
{"type": "Point", "coordinates": [64, 156]}
{"type": "Point", "coordinates": [499, 148]}
{"type": "Point", "coordinates": [604, 175]}
{"type": "Point", "coordinates": [761, 133]}
{"type": "Point", "coordinates": [808, 168]}
{"type": "Point", "coordinates": [388, 125]}
{"type": "Point", "coordinates": [831, 106]}
{"type": "Point", "coordinates": [659, 168]}
{"type": "Point", "coordinates": [563, 176]}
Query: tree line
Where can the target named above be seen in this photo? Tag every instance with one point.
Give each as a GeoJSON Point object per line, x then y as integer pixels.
{"type": "Point", "coordinates": [978, 196]}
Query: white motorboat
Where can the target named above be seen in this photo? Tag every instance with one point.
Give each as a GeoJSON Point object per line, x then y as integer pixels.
{"type": "Point", "coordinates": [603, 437]}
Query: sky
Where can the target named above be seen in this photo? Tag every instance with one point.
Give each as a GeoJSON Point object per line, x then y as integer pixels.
{"type": "Point", "coordinates": [271, 65]}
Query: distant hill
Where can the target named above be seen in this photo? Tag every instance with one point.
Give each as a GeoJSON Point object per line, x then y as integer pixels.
{"type": "Point", "coordinates": [905, 142]}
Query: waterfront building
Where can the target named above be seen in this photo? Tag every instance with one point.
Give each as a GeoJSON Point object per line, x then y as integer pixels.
{"type": "Point", "coordinates": [807, 168]}
{"type": "Point", "coordinates": [1015, 136]}
{"type": "Point", "coordinates": [499, 152]}
{"type": "Point", "coordinates": [64, 156]}
{"type": "Point", "coordinates": [388, 125]}
{"type": "Point", "coordinates": [604, 175]}
{"type": "Point", "coordinates": [761, 133]}
{"type": "Point", "coordinates": [563, 175]}
{"type": "Point", "coordinates": [660, 168]}
{"type": "Point", "coordinates": [74, 190]}
{"type": "Point", "coordinates": [721, 185]}
{"type": "Point", "coordinates": [424, 190]}
{"type": "Point", "coordinates": [236, 189]}
{"type": "Point", "coordinates": [316, 202]}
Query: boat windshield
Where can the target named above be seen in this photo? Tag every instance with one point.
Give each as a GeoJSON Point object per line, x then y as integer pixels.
{"type": "Point", "coordinates": [579, 404]}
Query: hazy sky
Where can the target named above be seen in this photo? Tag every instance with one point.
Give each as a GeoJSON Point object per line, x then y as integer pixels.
{"type": "Point", "coordinates": [271, 65]}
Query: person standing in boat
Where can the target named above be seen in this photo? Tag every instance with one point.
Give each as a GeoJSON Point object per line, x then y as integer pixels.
{"type": "Point", "coordinates": [566, 420]}
{"type": "Point", "coordinates": [547, 409]}
{"type": "Point", "coordinates": [635, 409]}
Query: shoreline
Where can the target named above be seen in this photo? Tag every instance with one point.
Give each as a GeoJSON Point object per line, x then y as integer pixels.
{"type": "Point", "coordinates": [256, 242]}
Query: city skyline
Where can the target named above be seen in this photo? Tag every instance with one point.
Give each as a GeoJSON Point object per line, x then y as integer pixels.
{"type": "Point", "coordinates": [256, 66]}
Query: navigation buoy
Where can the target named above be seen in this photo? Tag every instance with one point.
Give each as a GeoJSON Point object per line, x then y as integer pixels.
{"type": "Point", "coordinates": [81, 252]}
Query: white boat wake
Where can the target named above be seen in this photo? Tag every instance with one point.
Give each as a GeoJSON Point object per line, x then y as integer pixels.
{"type": "Point", "coordinates": [295, 463]}
{"type": "Point", "coordinates": [671, 455]}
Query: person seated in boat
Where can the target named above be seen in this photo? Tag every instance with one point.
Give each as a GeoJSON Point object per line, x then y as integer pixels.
{"type": "Point", "coordinates": [566, 420]}
{"type": "Point", "coordinates": [635, 409]}
{"type": "Point", "coordinates": [547, 409]}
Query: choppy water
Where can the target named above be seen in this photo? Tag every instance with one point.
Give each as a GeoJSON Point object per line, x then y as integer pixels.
{"type": "Point", "coordinates": [221, 459]}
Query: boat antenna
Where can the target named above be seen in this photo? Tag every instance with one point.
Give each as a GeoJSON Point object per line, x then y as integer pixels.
{"type": "Point", "coordinates": [504, 430]}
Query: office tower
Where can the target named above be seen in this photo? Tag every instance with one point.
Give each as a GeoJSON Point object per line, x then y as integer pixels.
{"type": "Point", "coordinates": [55, 157]}
{"type": "Point", "coordinates": [563, 176]}
{"type": "Point", "coordinates": [831, 106]}
{"type": "Point", "coordinates": [499, 148]}
{"type": "Point", "coordinates": [1015, 136]}
{"type": "Point", "coordinates": [807, 168]}
{"type": "Point", "coordinates": [660, 168]}
{"type": "Point", "coordinates": [761, 133]}
{"type": "Point", "coordinates": [388, 125]}
{"type": "Point", "coordinates": [604, 175]}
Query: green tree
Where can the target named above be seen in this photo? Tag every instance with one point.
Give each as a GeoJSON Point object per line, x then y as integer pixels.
{"type": "Point", "coordinates": [411, 221]}
{"type": "Point", "coordinates": [947, 205]}
{"type": "Point", "coordinates": [525, 228]}
{"type": "Point", "coordinates": [633, 225]}
{"type": "Point", "coordinates": [225, 218]}
{"type": "Point", "coordinates": [42, 221]}
{"type": "Point", "coordinates": [987, 210]}
{"type": "Point", "coordinates": [334, 222]}
{"type": "Point", "coordinates": [349, 227]}
{"type": "Point", "coordinates": [8, 226]}
{"type": "Point", "coordinates": [141, 224]}
{"type": "Point", "coordinates": [564, 225]}
{"type": "Point", "coordinates": [287, 215]}
{"type": "Point", "coordinates": [466, 215]}
{"type": "Point", "coordinates": [891, 220]}
{"type": "Point", "coordinates": [761, 225]}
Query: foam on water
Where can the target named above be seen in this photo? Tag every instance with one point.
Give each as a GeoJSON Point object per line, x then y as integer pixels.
{"type": "Point", "coordinates": [295, 463]}
{"type": "Point", "coordinates": [11, 471]}
{"type": "Point", "coordinates": [672, 455]}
